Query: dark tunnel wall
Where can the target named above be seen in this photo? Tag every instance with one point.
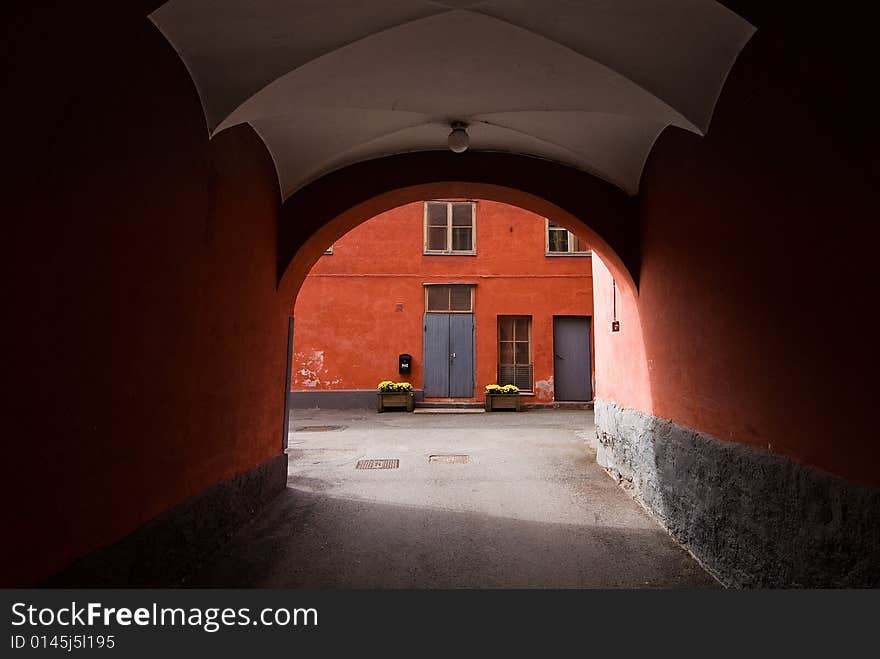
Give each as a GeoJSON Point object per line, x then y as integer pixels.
{"type": "Point", "coordinates": [147, 345]}
{"type": "Point", "coordinates": [757, 244]}
{"type": "Point", "coordinates": [753, 441]}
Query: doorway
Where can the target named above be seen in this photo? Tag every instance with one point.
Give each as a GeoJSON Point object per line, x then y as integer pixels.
{"type": "Point", "coordinates": [449, 355]}
{"type": "Point", "coordinates": [571, 358]}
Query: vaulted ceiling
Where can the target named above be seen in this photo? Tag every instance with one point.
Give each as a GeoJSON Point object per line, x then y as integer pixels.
{"type": "Point", "coordinates": [328, 83]}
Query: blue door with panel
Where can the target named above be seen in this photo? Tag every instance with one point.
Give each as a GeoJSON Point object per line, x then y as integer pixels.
{"type": "Point", "coordinates": [449, 355]}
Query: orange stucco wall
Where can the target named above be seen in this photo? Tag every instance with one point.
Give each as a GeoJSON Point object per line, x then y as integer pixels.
{"type": "Point", "coordinates": [363, 305]}
{"type": "Point", "coordinates": [621, 367]}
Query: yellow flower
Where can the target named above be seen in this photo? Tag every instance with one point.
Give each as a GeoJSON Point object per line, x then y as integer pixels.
{"type": "Point", "coordinates": [499, 389]}
{"type": "Point", "coordinates": [388, 385]}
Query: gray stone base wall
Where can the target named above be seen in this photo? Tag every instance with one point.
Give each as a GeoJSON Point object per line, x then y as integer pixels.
{"type": "Point", "coordinates": [752, 518]}
{"type": "Point", "coordinates": [164, 551]}
{"type": "Point", "coordinates": [338, 399]}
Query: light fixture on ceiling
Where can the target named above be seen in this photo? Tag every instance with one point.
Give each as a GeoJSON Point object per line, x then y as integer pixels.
{"type": "Point", "coordinates": [458, 139]}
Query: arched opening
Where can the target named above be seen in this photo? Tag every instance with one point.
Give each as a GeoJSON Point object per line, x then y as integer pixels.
{"type": "Point", "coordinates": [464, 497]}
{"type": "Point", "coordinates": [594, 210]}
{"type": "Point", "coordinates": [384, 281]}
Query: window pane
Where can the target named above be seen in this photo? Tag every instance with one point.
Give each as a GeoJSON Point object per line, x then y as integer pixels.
{"type": "Point", "coordinates": [437, 239]}
{"type": "Point", "coordinates": [521, 329]}
{"type": "Point", "coordinates": [506, 354]}
{"type": "Point", "coordinates": [522, 353]}
{"type": "Point", "coordinates": [461, 298]}
{"type": "Point", "coordinates": [461, 239]}
{"type": "Point", "coordinates": [558, 241]}
{"type": "Point", "coordinates": [505, 328]}
{"type": "Point", "coordinates": [578, 245]}
{"type": "Point", "coordinates": [438, 298]}
{"type": "Point", "coordinates": [437, 214]}
{"type": "Point", "coordinates": [553, 225]}
{"type": "Point", "coordinates": [462, 215]}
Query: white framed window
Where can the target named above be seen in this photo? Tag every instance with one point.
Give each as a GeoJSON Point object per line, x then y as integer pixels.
{"type": "Point", "coordinates": [562, 242]}
{"type": "Point", "coordinates": [449, 298]}
{"type": "Point", "coordinates": [450, 227]}
{"type": "Point", "coordinates": [515, 351]}
{"type": "Point", "coordinates": [329, 250]}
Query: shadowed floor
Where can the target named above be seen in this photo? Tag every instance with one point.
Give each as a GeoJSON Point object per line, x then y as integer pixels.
{"type": "Point", "coordinates": [530, 509]}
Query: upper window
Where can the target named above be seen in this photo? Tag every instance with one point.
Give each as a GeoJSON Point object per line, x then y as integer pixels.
{"type": "Point", "coordinates": [449, 227]}
{"type": "Point", "coordinates": [561, 241]}
{"type": "Point", "coordinates": [449, 298]}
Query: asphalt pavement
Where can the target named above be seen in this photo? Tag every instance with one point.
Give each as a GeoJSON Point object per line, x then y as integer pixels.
{"type": "Point", "coordinates": [527, 507]}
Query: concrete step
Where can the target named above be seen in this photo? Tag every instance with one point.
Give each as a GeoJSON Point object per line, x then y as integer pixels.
{"type": "Point", "coordinates": [448, 404]}
{"type": "Point", "coordinates": [449, 410]}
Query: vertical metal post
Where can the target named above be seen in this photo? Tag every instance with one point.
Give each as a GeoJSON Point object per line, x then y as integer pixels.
{"type": "Point", "coordinates": [288, 372]}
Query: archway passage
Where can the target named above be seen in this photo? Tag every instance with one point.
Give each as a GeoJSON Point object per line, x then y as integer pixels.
{"type": "Point", "coordinates": [147, 339]}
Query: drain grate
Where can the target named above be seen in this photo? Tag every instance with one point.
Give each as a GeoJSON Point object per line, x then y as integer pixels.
{"type": "Point", "coordinates": [450, 459]}
{"type": "Point", "coordinates": [377, 464]}
{"type": "Point", "coordinates": [318, 428]}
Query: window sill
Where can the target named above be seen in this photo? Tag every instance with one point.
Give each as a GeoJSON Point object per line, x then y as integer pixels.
{"type": "Point", "coordinates": [449, 253]}
{"type": "Point", "coordinates": [581, 254]}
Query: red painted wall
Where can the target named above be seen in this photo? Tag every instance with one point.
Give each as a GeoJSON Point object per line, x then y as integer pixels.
{"type": "Point", "coordinates": [622, 370]}
{"type": "Point", "coordinates": [146, 351]}
{"type": "Point", "coordinates": [145, 338]}
{"type": "Point", "coordinates": [348, 329]}
{"type": "Point", "coordinates": [752, 320]}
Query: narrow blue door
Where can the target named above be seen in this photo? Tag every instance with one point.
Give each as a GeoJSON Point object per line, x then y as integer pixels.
{"type": "Point", "coordinates": [448, 349]}
{"type": "Point", "coordinates": [461, 355]}
{"type": "Point", "coordinates": [571, 363]}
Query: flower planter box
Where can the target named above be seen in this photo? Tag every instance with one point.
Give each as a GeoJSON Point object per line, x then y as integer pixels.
{"type": "Point", "coordinates": [395, 400]}
{"type": "Point", "coordinates": [503, 402]}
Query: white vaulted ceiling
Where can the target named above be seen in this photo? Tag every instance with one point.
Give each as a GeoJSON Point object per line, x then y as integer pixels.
{"type": "Point", "coordinates": [328, 83]}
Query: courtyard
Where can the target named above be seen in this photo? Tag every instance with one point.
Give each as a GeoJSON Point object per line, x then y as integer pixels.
{"type": "Point", "coordinates": [477, 500]}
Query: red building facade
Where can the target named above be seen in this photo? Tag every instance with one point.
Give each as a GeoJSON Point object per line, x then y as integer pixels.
{"type": "Point", "coordinates": [476, 292]}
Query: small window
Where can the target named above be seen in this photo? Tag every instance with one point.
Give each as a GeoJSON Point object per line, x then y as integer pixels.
{"type": "Point", "coordinates": [515, 351]}
{"type": "Point", "coordinates": [329, 250]}
{"type": "Point", "coordinates": [449, 227]}
{"type": "Point", "coordinates": [561, 241]}
{"type": "Point", "coordinates": [449, 298]}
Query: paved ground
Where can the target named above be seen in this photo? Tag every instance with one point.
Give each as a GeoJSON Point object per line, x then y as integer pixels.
{"type": "Point", "coordinates": [531, 509]}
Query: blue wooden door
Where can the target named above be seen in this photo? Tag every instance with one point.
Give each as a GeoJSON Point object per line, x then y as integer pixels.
{"type": "Point", "coordinates": [571, 359]}
{"type": "Point", "coordinates": [448, 349]}
{"type": "Point", "coordinates": [461, 355]}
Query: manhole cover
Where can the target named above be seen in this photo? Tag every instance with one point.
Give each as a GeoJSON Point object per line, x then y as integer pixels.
{"type": "Point", "coordinates": [318, 428]}
{"type": "Point", "coordinates": [377, 464]}
{"type": "Point", "coordinates": [450, 459]}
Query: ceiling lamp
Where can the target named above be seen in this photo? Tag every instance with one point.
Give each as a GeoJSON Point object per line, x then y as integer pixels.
{"type": "Point", "coordinates": [458, 139]}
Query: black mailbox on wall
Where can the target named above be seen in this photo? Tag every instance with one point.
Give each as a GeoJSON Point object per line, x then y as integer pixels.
{"type": "Point", "coordinates": [404, 364]}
